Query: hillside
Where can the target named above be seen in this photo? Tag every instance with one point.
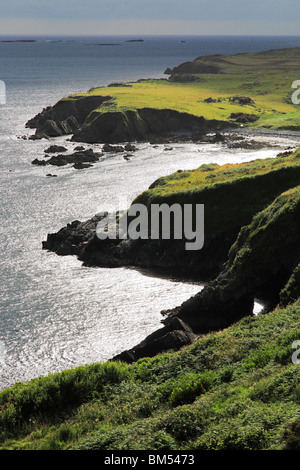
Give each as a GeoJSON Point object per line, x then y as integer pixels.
{"type": "Point", "coordinates": [232, 390]}
{"type": "Point", "coordinates": [208, 93]}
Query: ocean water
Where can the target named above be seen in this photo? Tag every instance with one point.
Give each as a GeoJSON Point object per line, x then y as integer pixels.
{"type": "Point", "coordinates": [55, 313]}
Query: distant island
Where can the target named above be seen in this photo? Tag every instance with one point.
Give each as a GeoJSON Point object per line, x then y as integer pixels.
{"type": "Point", "coordinates": [134, 40]}
{"type": "Point", "coordinates": [18, 40]}
{"type": "Point", "coordinates": [105, 44]}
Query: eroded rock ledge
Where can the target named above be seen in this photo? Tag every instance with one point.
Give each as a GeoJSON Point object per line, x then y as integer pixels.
{"type": "Point", "coordinates": [65, 117]}
{"type": "Point", "coordinates": [80, 117]}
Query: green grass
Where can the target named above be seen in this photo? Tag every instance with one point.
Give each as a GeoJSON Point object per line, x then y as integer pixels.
{"type": "Point", "coordinates": [231, 193]}
{"type": "Point", "coordinates": [236, 389]}
{"type": "Point", "coordinates": [265, 77]}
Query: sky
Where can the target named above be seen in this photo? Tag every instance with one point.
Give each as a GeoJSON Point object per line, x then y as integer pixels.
{"type": "Point", "coordinates": [137, 17]}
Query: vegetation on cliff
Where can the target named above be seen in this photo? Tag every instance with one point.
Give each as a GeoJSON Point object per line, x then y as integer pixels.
{"type": "Point", "coordinates": [266, 77]}
{"type": "Point", "coordinates": [251, 89]}
{"type": "Point", "coordinates": [237, 389]}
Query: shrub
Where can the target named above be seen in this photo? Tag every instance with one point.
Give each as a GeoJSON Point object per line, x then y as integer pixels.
{"type": "Point", "coordinates": [188, 387]}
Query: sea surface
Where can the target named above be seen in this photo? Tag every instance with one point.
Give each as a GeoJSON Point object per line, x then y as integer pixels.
{"type": "Point", "coordinates": [55, 313]}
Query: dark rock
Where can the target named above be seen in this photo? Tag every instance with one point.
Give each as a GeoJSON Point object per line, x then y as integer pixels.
{"type": "Point", "coordinates": [79, 148]}
{"type": "Point", "coordinates": [113, 148]}
{"type": "Point", "coordinates": [184, 78]}
{"type": "Point", "coordinates": [80, 157]}
{"type": "Point", "coordinates": [242, 100]}
{"type": "Point", "coordinates": [55, 149]}
{"type": "Point", "coordinates": [214, 138]}
{"type": "Point", "coordinates": [130, 147]}
{"type": "Point", "coordinates": [210, 100]}
{"type": "Point", "coordinates": [246, 144]}
{"type": "Point", "coordinates": [38, 136]}
{"type": "Point", "coordinates": [81, 166]}
{"type": "Point", "coordinates": [36, 161]}
{"type": "Point", "coordinates": [64, 117]}
{"type": "Point", "coordinates": [171, 337]}
{"type": "Point", "coordinates": [244, 117]}
{"type": "Point", "coordinates": [71, 239]}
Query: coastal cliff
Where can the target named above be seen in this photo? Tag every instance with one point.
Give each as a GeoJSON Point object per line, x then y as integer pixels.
{"type": "Point", "coordinates": [199, 96]}
{"type": "Point", "coordinates": [239, 200]}
{"type": "Point", "coordinates": [206, 94]}
{"type": "Point", "coordinates": [79, 118]}
{"type": "Point", "coordinates": [65, 117]}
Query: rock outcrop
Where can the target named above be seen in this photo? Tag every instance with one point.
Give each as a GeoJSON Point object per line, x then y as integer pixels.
{"type": "Point", "coordinates": [261, 263]}
{"type": "Point", "coordinates": [81, 117]}
{"type": "Point", "coordinates": [79, 159]}
{"type": "Point", "coordinates": [140, 125]}
{"type": "Point", "coordinates": [173, 336]}
{"type": "Point", "coordinates": [65, 117]}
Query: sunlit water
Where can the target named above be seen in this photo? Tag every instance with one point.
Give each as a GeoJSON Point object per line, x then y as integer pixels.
{"type": "Point", "coordinates": [55, 313]}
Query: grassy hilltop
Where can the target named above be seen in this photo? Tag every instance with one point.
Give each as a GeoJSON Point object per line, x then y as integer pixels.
{"type": "Point", "coordinates": [209, 93]}
{"type": "Point", "coordinates": [266, 77]}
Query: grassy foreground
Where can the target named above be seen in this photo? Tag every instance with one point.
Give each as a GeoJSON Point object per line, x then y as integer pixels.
{"type": "Point", "coordinates": [266, 77]}
{"type": "Point", "coordinates": [235, 389]}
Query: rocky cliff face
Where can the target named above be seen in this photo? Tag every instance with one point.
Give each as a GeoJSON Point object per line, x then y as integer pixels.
{"type": "Point", "coordinates": [264, 263]}
{"type": "Point", "coordinates": [65, 117]}
{"type": "Point", "coordinates": [140, 125]}
{"type": "Point", "coordinates": [80, 117]}
{"type": "Point", "coordinates": [251, 248]}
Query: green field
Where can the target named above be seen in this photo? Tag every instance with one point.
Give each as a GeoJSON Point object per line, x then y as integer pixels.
{"type": "Point", "coordinates": [265, 77]}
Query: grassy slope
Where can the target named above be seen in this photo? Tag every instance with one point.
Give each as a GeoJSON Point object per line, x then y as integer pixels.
{"type": "Point", "coordinates": [236, 389]}
{"type": "Point", "coordinates": [224, 189]}
{"type": "Point", "coordinates": [265, 77]}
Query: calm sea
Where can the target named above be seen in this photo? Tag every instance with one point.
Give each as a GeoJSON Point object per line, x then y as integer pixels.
{"type": "Point", "coordinates": [54, 313]}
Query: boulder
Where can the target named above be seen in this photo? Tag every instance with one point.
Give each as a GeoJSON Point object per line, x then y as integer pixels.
{"type": "Point", "coordinates": [171, 337]}
{"type": "Point", "coordinates": [244, 117]}
{"type": "Point", "coordinates": [55, 149]}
